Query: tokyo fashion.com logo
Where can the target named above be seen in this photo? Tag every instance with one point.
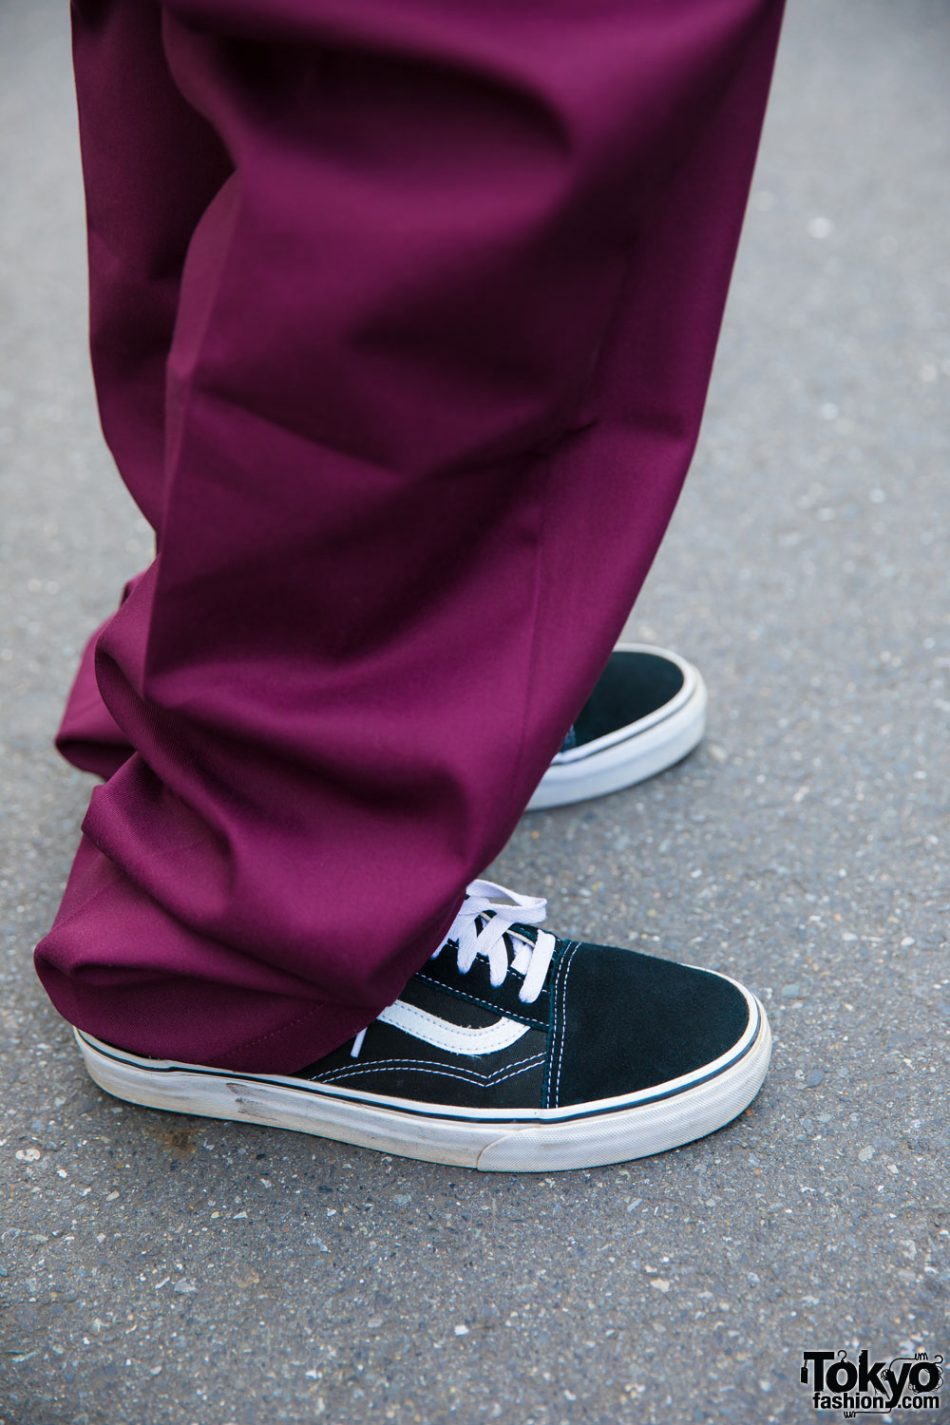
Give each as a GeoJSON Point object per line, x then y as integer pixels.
{"type": "Point", "coordinates": [904, 1383]}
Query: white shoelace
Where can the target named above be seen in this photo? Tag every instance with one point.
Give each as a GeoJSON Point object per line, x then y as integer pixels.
{"type": "Point", "coordinates": [489, 913]}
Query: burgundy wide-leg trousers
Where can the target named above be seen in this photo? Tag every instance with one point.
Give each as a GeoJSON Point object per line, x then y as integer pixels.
{"type": "Point", "coordinates": [403, 314]}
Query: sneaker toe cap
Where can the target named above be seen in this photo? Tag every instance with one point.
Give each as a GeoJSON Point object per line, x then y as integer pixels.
{"type": "Point", "coordinates": [625, 1022]}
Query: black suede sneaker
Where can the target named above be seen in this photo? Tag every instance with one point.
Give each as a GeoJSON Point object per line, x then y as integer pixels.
{"type": "Point", "coordinates": [511, 1049]}
{"type": "Point", "coordinates": [647, 711]}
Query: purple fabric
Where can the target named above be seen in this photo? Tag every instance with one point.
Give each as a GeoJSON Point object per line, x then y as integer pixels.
{"type": "Point", "coordinates": [402, 321]}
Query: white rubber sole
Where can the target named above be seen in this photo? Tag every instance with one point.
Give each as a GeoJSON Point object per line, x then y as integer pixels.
{"type": "Point", "coordinates": [526, 1140]}
{"type": "Point", "coordinates": [634, 753]}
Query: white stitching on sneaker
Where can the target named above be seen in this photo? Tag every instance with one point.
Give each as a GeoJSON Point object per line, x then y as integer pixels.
{"type": "Point", "coordinates": [567, 961]}
{"type": "Point", "coordinates": [509, 1071]}
{"type": "Point", "coordinates": [535, 1020]}
{"type": "Point", "coordinates": [555, 984]}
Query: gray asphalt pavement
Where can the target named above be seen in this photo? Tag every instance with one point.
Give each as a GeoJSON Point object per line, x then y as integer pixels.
{"type": "Point", "coordinates": [158, 1270]}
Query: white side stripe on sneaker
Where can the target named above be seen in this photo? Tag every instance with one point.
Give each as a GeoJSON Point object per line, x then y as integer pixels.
{"type": "Point", "coordinates": [455, 1038]}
